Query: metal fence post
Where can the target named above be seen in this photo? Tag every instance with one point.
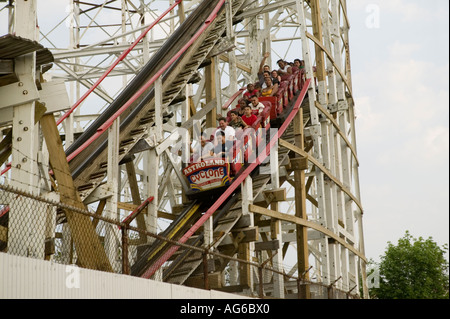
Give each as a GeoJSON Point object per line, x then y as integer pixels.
{"type": "Point", "coordinates": [261, 282]}
{"type": "Point", "coordinates": [205, 269]}
{"type": "Point", "coordinates": [125, 261]}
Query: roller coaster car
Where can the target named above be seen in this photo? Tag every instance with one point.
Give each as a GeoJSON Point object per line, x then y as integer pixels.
{"type": "Point", "coordinates": [211, 176]}
{"type": "Point", "coordinates": [215, 173]}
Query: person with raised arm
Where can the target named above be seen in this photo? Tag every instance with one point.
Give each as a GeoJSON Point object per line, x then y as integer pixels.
{"type": "Point", "coordinates": [263, 67]}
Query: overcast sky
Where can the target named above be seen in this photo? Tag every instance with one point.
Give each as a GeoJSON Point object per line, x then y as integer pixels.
{"type": "Point", "coordinates": [400, 68]}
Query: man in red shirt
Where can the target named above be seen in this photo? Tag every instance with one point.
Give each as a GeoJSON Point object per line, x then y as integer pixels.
{"type": "Point", "coordinates": [249, 118]}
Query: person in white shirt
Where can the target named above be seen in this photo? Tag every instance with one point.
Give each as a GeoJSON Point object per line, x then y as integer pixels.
{"type": "Point", "coordinates": [285, 69]}
{"type": "Point", "coordinates": [203, 149]}
{"type": "Point", "coordinates": [256, 105]}
{"type": "Point", "coordinates": [230, 132]}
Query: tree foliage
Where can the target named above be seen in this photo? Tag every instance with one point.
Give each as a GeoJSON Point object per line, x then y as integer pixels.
{"type": "Point", "coordinates": [413, 269]}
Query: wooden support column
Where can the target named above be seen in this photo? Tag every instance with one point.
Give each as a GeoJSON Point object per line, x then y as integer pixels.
{"type": "Point", "coordinates": [308, 61]}
{"type": "Point", "coordinates": [181, 12]}
{"type": "Point", "coordinates": [320, 61]}
{"type": "Point", "coordinates": [152, 162]}
{"type": "Point", "coordinates": [300, 207]}
{"type": "Point", "coordinates": [246, 250]}
{"type": "Point", "coordinates": [135, 195]}
{"type": "Point", "coordinates": [90, 251]}
{"type": "Point", "coordinates": [232, 53]}
{"type": "Point", "coordinates": [112, 236]}
{"type": "Point", "coordinates": [315, 128]}
{"type": "Point", "coordinates": [252, 43]}
{"type": "Point", "coordinates": [210, 87]}
{"type": "Point", "coordinates": [275, 227]}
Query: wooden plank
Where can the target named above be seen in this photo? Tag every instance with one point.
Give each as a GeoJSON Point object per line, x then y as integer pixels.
{"type": "Point", "coordinates": [210, 92]}
{"type": "Point", "coordinates": [210, 106]}
{"type": "Point", "coordinates": [239, 65]}
{"type": "Point", "coordinates": [267, 245]}
{"type": "Point", "coordinates": [165, 215]}
{"type": "Point", "coordinates": [318, 34]}
{"type": "Point", "coordinates": [54, 95]}
{"type": "Point", "coordinates": [99, 211]}
{"type": "Point", "coordinates": [127, 206]}
{"type": "Point", "coordinates": [90, 251]}
{"type": "Point", "coordinates": [275, 195]}
{"type": "Point", "coordinates": [244, 269]}
{"type": "Point", "coordinates": [306, 223]}
{"type": "Point", "coordinates": [243, 222]}
{"type": "Point", "coordinates": [251, 234]}
{"type": "Point", "coordinates": [301, 163]}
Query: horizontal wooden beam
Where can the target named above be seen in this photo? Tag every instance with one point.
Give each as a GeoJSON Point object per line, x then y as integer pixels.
{"type": "Point", "coordinates": [275, 195]}
{"type": "Point", "coordinates": [239, 65]}
{"type": "Point", "coordinates": [127, 206]}
{"type": "Point", "coordinates": [267, 245]}
{"type": "Point", "coordinates": [251, 234]}
{"type": "Point", "coordinates": [306, 223]}
{"type": "Point", "coordinates": [314, 161]}
{"type": "Point", "coordinates": [132, 207]}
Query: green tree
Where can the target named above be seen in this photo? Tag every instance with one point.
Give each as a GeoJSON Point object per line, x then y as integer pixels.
{"type": "Point", "coordinates": [413, 269]}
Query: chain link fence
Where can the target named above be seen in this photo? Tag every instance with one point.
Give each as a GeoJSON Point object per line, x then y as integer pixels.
{"type": "Point", "coordinates": [41, 227]}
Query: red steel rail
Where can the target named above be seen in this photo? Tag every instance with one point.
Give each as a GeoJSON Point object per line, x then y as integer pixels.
{"type": "Point", "coordinates": [119, 59]}
{"type": "Point", "coordinates": [137, 211]}
{"type": "Point", "coordinates": [262, 156]}
{"type": "Point", "coordinates": [111, 120]}
{"type": "Point", "coordinates": [231, 100]}
{"type": "Point", "coordinates": [107, 72]}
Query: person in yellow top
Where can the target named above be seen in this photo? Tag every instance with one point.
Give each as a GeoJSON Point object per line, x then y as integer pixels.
{"type": "Point", "coordinates": [269, 90]}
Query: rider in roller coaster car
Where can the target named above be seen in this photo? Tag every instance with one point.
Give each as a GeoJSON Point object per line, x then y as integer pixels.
{"type": "Point", "coordinates": [222, 146]}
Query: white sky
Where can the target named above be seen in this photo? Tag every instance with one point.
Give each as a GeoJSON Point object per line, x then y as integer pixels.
{"type": "Point", "coordinates": [400, 68]}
